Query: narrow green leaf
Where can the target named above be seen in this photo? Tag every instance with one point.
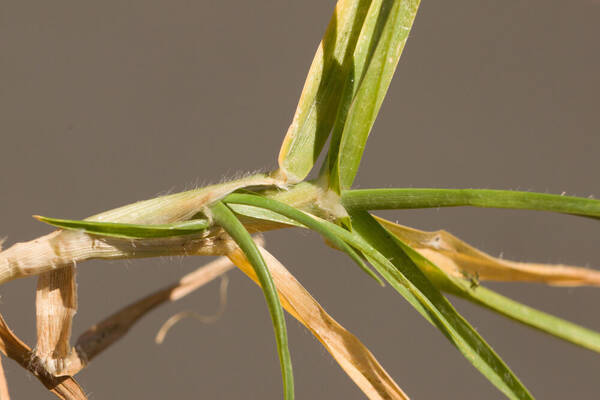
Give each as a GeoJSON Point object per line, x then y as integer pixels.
{"type": "Point", "coordinates": [376, 56]}
{"type": "Point", "coordinates": [225, 218]}
{"type": "Point", "coordinates": [382, 199]}
{"type": "Point", "coordinates": [540, 320]}
{"type": "Point", "coordinates": [304, 219]}
{"type": "Point", "coordinates": [330, 71]}
{"type": "Point", "coordinates": [403, 271]}
{"type": "Point", "coordinates": [130, 231]}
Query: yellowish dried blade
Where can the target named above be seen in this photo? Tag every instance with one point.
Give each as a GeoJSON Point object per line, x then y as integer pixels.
{"type": "Point", "coordinates": [461, 260]}
{"type": "Point", "coordinates": [437, 265]}
{"type": "Point", "coordinates": [354, 358]}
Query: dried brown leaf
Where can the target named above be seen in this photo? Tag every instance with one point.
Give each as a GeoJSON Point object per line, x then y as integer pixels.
{"type": "Point", "coordinates": [354, 358]}
{"type": "Point", "coordinates": [65, 387]}
{"type": "Point", "coordinates": [4, 395]}
{"type": "Point", "coordinates": [462, 260]}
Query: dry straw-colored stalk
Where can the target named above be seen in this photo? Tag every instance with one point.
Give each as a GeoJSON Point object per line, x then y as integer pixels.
{"type": "Point", "coordinates": [56, 305]}
{"type": "Point", "coordinates": [61, 249]}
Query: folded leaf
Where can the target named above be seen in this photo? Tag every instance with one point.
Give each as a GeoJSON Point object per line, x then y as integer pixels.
{"type": "Point", "coordinates": [329, 73]}
{"type": "Point", "coordinates": [375, 58]}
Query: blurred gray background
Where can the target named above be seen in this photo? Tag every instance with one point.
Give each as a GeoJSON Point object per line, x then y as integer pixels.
{"type": "Point", "coordinates": [106, 103]}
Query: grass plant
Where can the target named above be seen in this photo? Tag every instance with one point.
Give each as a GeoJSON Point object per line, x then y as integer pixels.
{"type": "Point", "coordinates": [346, 85]}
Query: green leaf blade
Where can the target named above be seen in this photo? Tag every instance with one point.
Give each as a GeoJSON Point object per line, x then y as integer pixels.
{"type": "Point", "coordinates": [129, 231]}
{"type": "Point", "coordinates": [226, 219]}
{"type": "Point", "coordinates": [440, 311]}
{"type": "Point", "coordinates": [404, 198]}
{"type": "Point", "coordinates": [533, 318]}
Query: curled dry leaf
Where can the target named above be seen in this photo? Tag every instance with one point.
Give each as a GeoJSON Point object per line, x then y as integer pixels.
{"type": "Point", "coordinates": [64, 387]}
{"type": "Point", "coordinates": [461, 260]}
{"type": "Point", "coordinates": [354, 358]}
